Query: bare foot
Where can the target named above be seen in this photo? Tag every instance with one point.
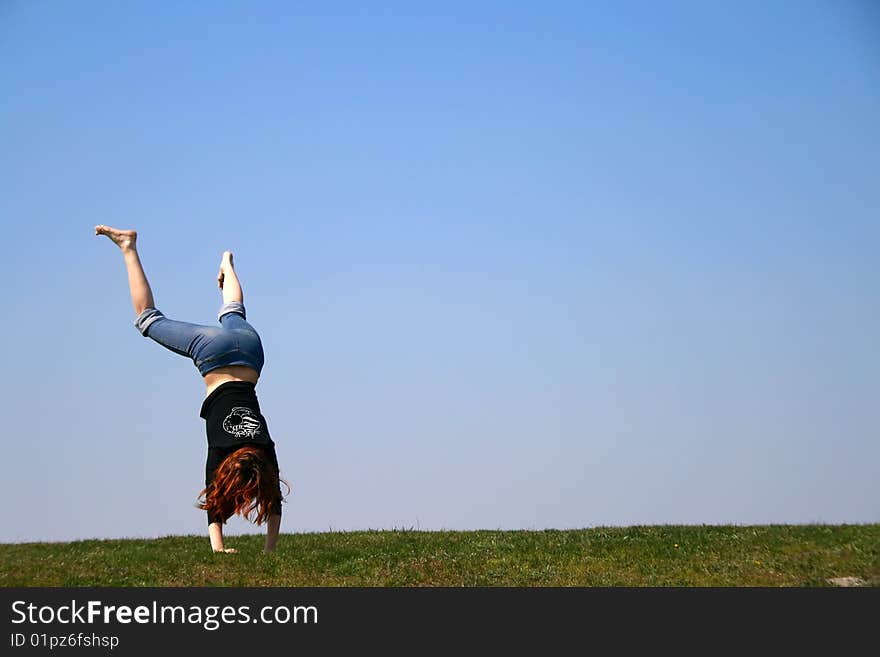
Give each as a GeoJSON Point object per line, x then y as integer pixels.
{"type": "Point", "coordinates": [124, 239]}
{"type": "Point", "coordinates": [227, 551]}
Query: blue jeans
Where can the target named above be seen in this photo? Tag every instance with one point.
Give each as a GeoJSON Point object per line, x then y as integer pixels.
{"type": "Point", "coordinates": [234, 342]}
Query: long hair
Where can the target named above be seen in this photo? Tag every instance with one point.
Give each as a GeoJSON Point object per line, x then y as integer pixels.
{"type": "Point", "coordinates": [245, 483]}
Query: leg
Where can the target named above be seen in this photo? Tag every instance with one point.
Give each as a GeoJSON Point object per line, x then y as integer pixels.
{"type": "Point", "coordinates": [138, 286]}
{"type": "Point", "coordinates": [228, 280]}
{"type": "Point", "coordinates": [183, 338]}
{"type": "Point", "coordinates": [232, 314]}
{"type": "Point", "coordinates": [180, 337]}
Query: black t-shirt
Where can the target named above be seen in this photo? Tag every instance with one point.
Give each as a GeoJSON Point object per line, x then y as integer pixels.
{"type": "Point", "coordinates": [232, 420]}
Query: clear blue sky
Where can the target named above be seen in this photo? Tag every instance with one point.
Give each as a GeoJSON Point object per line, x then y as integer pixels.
{"type": "Point", "coordinates": [515, 265]}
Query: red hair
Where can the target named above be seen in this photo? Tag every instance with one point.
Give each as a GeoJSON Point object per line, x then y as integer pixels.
{"type": "Point", "coordinates": [245, 483]}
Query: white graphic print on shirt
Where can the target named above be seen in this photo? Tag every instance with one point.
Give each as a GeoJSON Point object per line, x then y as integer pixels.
{"type": "Point", "coordinates": [242, 422]}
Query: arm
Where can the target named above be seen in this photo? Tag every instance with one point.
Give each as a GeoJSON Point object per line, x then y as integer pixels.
{"type": "Point", "coordinates": [215, 533]}
{"type": "Point", "coordinates": [272, 527]}
{"type": "Point", "coordinates": [215, 529]}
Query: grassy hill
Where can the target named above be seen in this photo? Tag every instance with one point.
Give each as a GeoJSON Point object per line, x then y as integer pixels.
{"type": "Point", "coordinates": [776, 555]}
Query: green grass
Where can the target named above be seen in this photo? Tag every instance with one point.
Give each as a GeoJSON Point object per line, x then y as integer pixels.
{"type": "Point", "coordinates": [776, 555]}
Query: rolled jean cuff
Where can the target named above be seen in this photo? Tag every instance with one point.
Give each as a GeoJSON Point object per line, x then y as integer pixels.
{"type": "Point", "coordinates": [232, 307]}
{"type": "Point", "coordinates": [143, 321]}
